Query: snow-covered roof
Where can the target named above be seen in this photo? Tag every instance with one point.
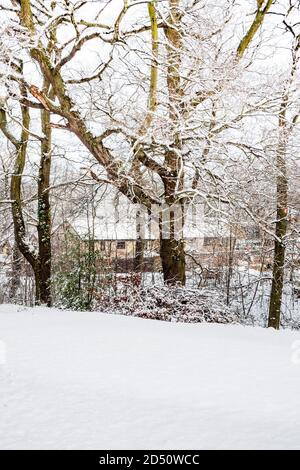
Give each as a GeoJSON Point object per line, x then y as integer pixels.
{"type": "Point", "coordinates": [99, 229]}
{"type": "Point", "coordinates": [109, 224]}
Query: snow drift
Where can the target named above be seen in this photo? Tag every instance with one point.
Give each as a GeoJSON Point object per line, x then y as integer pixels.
{"type": "Point", "coordinates": [72, 380]}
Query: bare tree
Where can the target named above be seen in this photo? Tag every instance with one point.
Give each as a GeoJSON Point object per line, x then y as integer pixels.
{"type": "Point", "coordinates": [40, 259]}
{"type": "Point", "coordinates": [287, 120]}
{"type": "Point", "coordinates": [158, 171]}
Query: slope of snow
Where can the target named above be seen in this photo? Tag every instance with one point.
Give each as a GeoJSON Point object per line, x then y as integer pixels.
{"type": "Point", "coordinates": [90, 381]}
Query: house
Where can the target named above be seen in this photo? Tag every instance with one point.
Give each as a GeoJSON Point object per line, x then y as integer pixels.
{"type": "Point", "coordinates": [117, 234]}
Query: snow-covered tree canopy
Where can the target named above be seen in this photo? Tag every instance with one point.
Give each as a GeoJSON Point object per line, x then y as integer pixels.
{"type": "Point", "coordinates": [168, 101]}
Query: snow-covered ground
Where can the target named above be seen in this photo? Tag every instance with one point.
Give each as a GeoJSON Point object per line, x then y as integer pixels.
{"type": "Point", "coordinates": [91, 381]}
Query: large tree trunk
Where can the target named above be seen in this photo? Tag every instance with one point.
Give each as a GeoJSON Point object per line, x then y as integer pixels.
{"type": "Point", "coordinates": [172, 251]}
{"type": "Point", "coordinates": [172, 247]}
{"type": "Point", "coordinates": [277, 285]}
{"type": "Point", "coordinates": [173, 260]}
{"type": "Point", "coordinates": [281, 222]}
{"type": "Point", "coordinates": [37, 284]}
{"type": "Point", "coordinates": [44, 214]}
{"type": "Point", "coordinates": [279, 248]}
{"type": "Point", "coordinates": [139, 255]}
{"type": "Point", "coordinates": [286, 125]}
{"type": "Point", "coordinates": [43, 287]}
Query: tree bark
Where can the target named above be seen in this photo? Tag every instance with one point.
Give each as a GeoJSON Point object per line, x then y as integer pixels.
{"type": "Point", "coordinates": [279, 248]}
{"type": "Point", "coordinates": [139, 255]}
{"type": "Point", "coordinates": [173, 261]}
{"type": "Point", "coordinates": [44, 214]}
{"type": "Point", "coordinates": [172, 247]}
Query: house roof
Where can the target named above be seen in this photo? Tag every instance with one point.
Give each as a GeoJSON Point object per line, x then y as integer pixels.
{"type": "Point", "coordinates": [99, 229]}
{"type": "Point", "coordinates": [108, 224]}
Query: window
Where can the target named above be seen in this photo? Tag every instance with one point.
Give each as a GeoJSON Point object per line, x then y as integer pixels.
{"type": "Point", "coordinates": [120, 245]}
{"type": "Point", "coordinates": [102, 245]}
